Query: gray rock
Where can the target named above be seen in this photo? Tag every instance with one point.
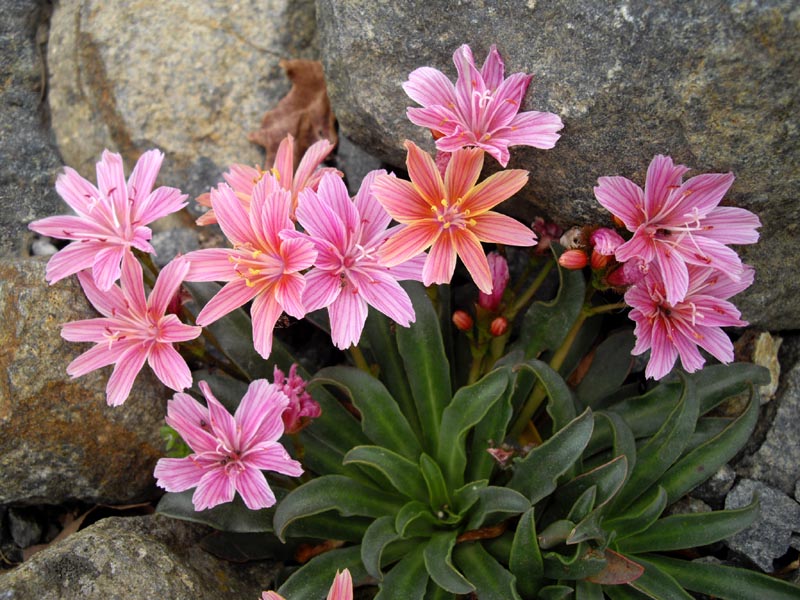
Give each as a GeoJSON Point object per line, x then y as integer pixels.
{"type": "Point", "coordinates": [712, 84]}
{"type": "Point", "coordinates": [28, 159]}
{"type": "Point", "coordinates": [134, 558]}
{"type": "Point", "coordinates": [192, 78]}
{"type": "Point", "coordinates": [777, 460]}
{"type": "Point", "coordinates": [168, 244]}
{"type": "Point", "coordinates": [354, 162]}
{"type": "Point", "coordinates": [25, 526]}
{"type": "Point", "coordinates": [716, 487]}
{"type": "Point", "coordinates": [58, 439]}
{"type": "Point", "coordinates": [771, 535]}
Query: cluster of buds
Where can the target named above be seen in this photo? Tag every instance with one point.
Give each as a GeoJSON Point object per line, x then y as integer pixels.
{"type": "Point", "coordinates": [595, 247]}
{"type": "Point", "coordinates": [489, 306]}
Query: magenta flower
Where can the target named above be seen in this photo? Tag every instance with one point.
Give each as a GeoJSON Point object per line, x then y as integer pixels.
{"type": "Point", "coordinates": [675, 223]}
{"type": "Point", "coordinates": [498, 267]}
{"type": "Point", "coordinates": [671, 330]}
{"type": "Point", "coordinates": [229, 451]}
{"type": "Point", "coordinates": [302, 407]}
{"type": "Point", "coordinates": [260, 267]}
{"type": "Point", "coordinates": [347, 275]}
{"type": "Point", "coordinates": [452, 216]}
{"type": "Point", "coordinates": [110, 220]}
{"type": "Point", "coordinates": [133, 330]}
{"type": "Point", "coordinates": [243, 178]}
{"type": "Point", "coordinates": [481, 110]}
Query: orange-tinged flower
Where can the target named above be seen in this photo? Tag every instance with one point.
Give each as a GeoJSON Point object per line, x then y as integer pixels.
{"type": "Point", "coordinates": [451, 216]}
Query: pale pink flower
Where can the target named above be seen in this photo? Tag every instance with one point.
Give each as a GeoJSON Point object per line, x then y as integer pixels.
{"type": "Point", "coordinates": [347, 275]}
{"type": "Point", "coordinates": [243, 178]}
{"type": "Point", "coordinates": [260, 267]}
{"type": "Point", "coordinates": [498, 267]}
{"type": "Point", "coordinates": [229, 451]}
{"type": "Point", "coordinates": [452, 216]}
{"type": "Point", "coordinates": [341, 589]}
{"type": "Point", "coordinates": [671, 330]}
{"type": "Point", "coordinates": [133, 330]}
{"type": "Point", "coordinates": [302, 407]}
{"type": "Point", "coordinates": [110, 219]}
{"type": "Point", "coordinates": [481, 110]}
{"type": "Point", "coordinates": [675, 223]}
{"type": "Point", "coordinates": [605, 241]}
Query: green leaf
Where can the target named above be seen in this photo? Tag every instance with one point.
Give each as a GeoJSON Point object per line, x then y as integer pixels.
{"type": "Point", "coordinates": [337, 427]}
{"type": "Point", "coordinates": [535, 475]}
{"type": "Point", "coordinates": [469, 405]}
{"type": "Point", "coordinates": [379, 534]}
{"type": "Point", "coordinates": [329, 526]}
{"type": "Point", "coordinates": [658, 584]}
{"type": "Point", "coordinates": [426, 365]}
{"type": "Point", "coordinates": [560, 404]}
{"type": "Point", "coordinates": [526, 562]}
{"type": "Point", "coordinates": [437, 487]}
{"type": "Point", "coordinates": [546, 324]}
{"type": "Point", "coordinates": [382, 339]}
{"type": "Point", "coordinates": [415, 518]}
{"type": "Point", "coordinates": [717, 383]}
{"type": "Point", "coordinates": [403, 474]}
{"type": "Point", "coordinates": [702, 462]}
{"type": "Point", "coordinates": [313, 580]}
{"type": "Point", "coordinates": [555, 592]}
{"type": "Point", "coordinates": [607, 478]}
{"type": "Point", "coordinates": [640, 516]}
{"type": "Point", "coordinates": [585, 590]}
{"type": "Point", "coordinates": [322, 459]}
{"type": "Point", "coordinates": [465, 497]}
{"type": "Point", "coordinates": [492, 581]}
{"type": "Point", "coordinates": [232, 516]}
{"type": "Point", "coordinates": [381, 419]}
{"type": "Point", "coordinates": [334, 492]}
{"type": "Point", "coordinates": [678, 532]}
{"type": "Point", "coordinates": [610, 367]}
{"type": "Point", "coordinates": [622, 441]}
{"type": "Point", "coordinates": [226, 389]}
{"type": "Point", "coordinates": [727, 583]}
{"type": "Point", "coordinates": [584, 561]}
{"type": "Point", "coordinates": [434, 592]}
{"type": "Point", "coordinates": [439, 564]}
{"type": "Point", "coordinates": [661, 451]}
{"type": "Point", "coordinates": [408, 579]}
{"type": "Point", "coordinates": [489, 432]}
{"type": "Point", "coordinates": [493, 501]}
{"type": "Point", "coordinates": [583, 505]}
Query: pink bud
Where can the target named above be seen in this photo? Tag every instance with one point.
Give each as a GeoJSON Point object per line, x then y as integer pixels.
{"type": "Point", "coordinates": [605, 241]}
{"type": "Point", "coordinates": [462, 320]}
{"type": "Point", "coordinates": [498, 267]}
{"type": "Point", "coordinates": [598, 261]}
{"type": "Point", "coordinates": [573, 259]}
{"type": "Point", "coordinates": [498, 326]}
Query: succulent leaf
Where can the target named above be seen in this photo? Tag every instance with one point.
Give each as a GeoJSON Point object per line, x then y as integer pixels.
{"type": "Point", "coordinates": [439, 564]}
{"type": "Point", "coordinates": [526, 562]}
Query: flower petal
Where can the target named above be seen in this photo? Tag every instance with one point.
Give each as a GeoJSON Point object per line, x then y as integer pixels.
{"type": "Point", "coordinates": [400, 199]}
{"type": "Point", "coordinates": [424, 175]}
{"type": "Point", "coordinates": [252, 485]}
{"type": "Point", "coordinates": [533, 128]}
{"type": "Point", "coordinates": [408, 242]}
{"type": "Point", "coordinates": [211, 264]}
{"type": "Point", "coordinates": [441, 261]}
{"type": "Point", "coordinates": [348, 314]}
{"type": "Point", "coordinates": [71, 259]}
{"type": "Point", "coordinates": [170, 367]}
{"type": "Point", "coordinates": [495, 189]}
{"type": "Point", "coordinates": [427, 86]}
{"type": "Point", "coordinates": [471, 252]}
{"type": "Point", "coordinates": [264, 312]}
{"type": "Point", "coordinates": [622, 198]}
{"type": "Point", "coordinates": [462, 172]}
{"type": "Point", "coordinates": [178, 474]}
{"type": "Point", "coordinates": [214, 488]}
{"type": "Point", "coordinates": [500, 229]}
{"type": "Point", "coordinates": [229, 298]}
{"type": "Point", "coordinates": [121, 381]}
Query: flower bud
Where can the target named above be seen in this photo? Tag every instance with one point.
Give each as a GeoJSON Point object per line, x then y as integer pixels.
{"type": "Point", "coordinates": [627, 274]}
{"type": "Point", "coordinates": [573, 259]}
{"type": "Point", "coordinates": [498, 326]}
{"type": "Point", "coordinates": [462, 320]}
{"type": "Point", "coordinates": [498, 267]}
{"type": "Point", "coordinates": [606, 241]}
{"type": "Point", "coordinates": [599, 261]}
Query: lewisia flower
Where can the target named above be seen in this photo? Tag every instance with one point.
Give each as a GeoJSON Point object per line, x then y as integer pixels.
{"type": "Point", "coordinates": [347, 275]}
{"type": "Point", "coordinates": [341, 589]}
{"type": "Point", "coordinates": [243, 178]}
{"type": "Point", "coordinates": [451, 216]}
{"type": "Point", "coordinates": [110, 219]}
{"type": "Point", "coordinates": [675, 223]}
{"type": "Point", "coordinates": [260, 267]}
{"type": "Point", "coordinates": [481, 110]}
{"type": "Point", "coordinates": [133, 330]}
{"type": "Point", "coordinates": [229, 451]}
{"type": "Point", "coordinates": [302, 407]}
{"type": "Point", "coordinates": [671, 330]}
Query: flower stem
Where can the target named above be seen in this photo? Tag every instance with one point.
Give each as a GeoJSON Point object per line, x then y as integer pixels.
{"type": "Point", "coordinates": [358, 358]}
{"type": "Point", "coordinates": [528, 294]}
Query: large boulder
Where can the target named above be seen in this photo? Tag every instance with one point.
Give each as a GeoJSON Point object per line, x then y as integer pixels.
{"type": "Point", "coordinates": [28, 159]}
{"type": "Point", "coordinates": [59, 441]}
{"type": "Point", "coordinates": [712, 84]}
{"type": "Point", "coordinates": [191, 78]}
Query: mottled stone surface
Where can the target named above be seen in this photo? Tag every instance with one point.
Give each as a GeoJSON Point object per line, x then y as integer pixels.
{"type": "Point", "coordinates": [771, 535]}
{"type": "Point", "coordinates": [28, 158]}
{"type": "Point", "coordinates": [134, 558]}
{"type": "Point", "coordinates": [58, 439]}
{"type": "Point", "coordinates": [191, 78]}
{"type": "Point", "coordinates": [713, 84]}
{"type": "Point", "coordinates": [777, 460]}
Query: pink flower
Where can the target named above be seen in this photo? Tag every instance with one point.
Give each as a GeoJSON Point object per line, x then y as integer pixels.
{"type": "Point", "coordinates": [229, 451]}
{"type": "Point", "coordinates": [671, 330]}
{"type": "Point", "coordinates": [260, 267]}
{"type": "Point", "coordinates": [243, 178]}
{"type": "Point", "coordinates": [675, 223]}
{"type": "Point", "coordinates": [302, 407]}
{"type": "Point", "coordinates": [133, 330]}
{"type": "Point", "coordinates": [605, 241]}
{"type": "Point", "coordinates": [341, 589]}
{"type": "Point", "coordinates": [498, 267]}
{"type": "Point", "coordinates": [451, 216]}
{"type": "Point", "coordinates": [347, 275]}
{"type": "Point", "coordinates": [110, 220]}
{"type": "Point", "coordinates": [481, 110]}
